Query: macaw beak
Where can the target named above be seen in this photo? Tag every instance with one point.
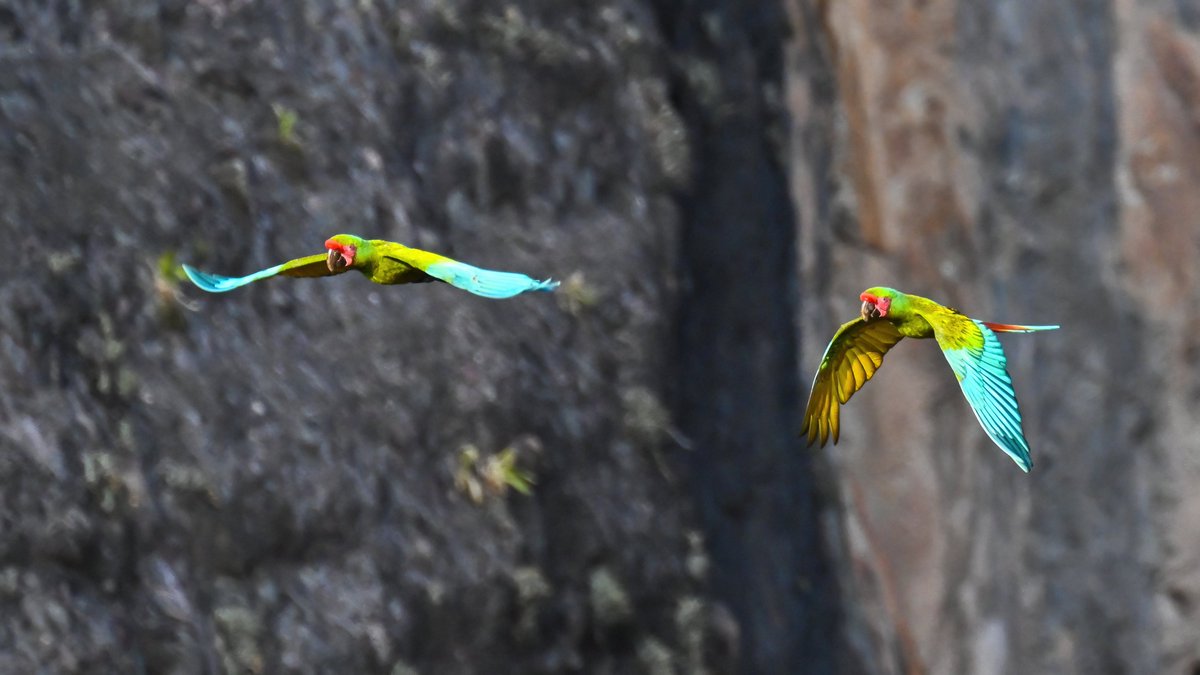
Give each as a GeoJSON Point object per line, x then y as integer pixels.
{"type": "Point", "coordinates": [340, 257]}
{"type": "Point", "coordinates": [874, 307]}
{"type": "Point", "coordinates": [335, 262]}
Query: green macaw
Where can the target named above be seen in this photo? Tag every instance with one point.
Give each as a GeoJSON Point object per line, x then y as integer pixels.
{"type": "Point", "coordinates": [383, 262]}
{"type": "Point", "coordinates": [974, 353]}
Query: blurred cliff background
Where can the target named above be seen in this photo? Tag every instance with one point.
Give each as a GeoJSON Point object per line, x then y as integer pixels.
{"type": "Point", "coordinates": [323, 476]}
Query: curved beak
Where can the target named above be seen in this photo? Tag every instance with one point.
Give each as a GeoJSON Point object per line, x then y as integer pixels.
{"type": "Point", "coordinates": [870, 311]}
{"type": "Point", "coordinates": [341, 256]}
{"type": "Point", "coordinates": [336, 262]}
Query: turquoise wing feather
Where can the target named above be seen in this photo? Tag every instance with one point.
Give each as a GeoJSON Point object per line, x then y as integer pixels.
{"type": "Point", "coordinates": [308, 266]}
{"type": "Point", "coordinates": [486, 283]}
{"type": "Point", "coordinates": [215, 283]}
{"type": "Point", "coordinates": [981, 368]}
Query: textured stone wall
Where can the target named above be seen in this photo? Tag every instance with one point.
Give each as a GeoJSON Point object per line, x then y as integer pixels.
{"type": "Point", "coordinates": [306, 476]}
{"type": "Point", "coordinates": [302, 476]}
{"type": "Point", "coordinates": [1024, 162]}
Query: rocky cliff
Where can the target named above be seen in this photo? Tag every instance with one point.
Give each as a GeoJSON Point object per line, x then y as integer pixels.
{"type": "Point", "coordinates": [310, 476]}
{"type": "Point", "coordinates": [1025, 162]}
{"type": "Point", "coordinates": [326, 476]}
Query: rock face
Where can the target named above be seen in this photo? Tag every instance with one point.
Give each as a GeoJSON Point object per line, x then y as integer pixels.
{"type": "Point", "coordinates": [321, 476]}
{"type": "Point", "coordinates": [740, 398]}
{"type": "Point", "coordinates": [1026, 162]}
{"type": "Point", "coordinates": [307, 476]}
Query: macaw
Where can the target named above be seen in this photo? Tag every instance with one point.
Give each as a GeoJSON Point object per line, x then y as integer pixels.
{"type": "Point", "coordinates": [383, 262]}
{"type": "Point", "coordinates": [971, 347]}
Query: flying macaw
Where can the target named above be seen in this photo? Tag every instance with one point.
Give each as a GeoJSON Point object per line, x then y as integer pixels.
{"type": "Point", "coordinates": [974, 353]}
{"type": "Point", "coordinates": [383, 262]}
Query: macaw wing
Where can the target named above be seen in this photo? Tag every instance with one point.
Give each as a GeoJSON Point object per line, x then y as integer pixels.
{"type": "Point", "coordinates": [978, 361]}
{"type": "Point", "coordinates": [308, 266]}
{"type": "Point", "coordinates": [851, 358]}
{"type": "Point", "coordinates": [486, 283]}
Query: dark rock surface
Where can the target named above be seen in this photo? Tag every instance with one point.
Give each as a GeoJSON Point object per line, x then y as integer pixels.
{"type": "Point", "coordinates": [309, 476]}
{"type": "Point", "coordinates": [281, 479]}
{"type": "Point", "coordinates": [1028, 163]}
{"type": "Point", "coordinates": [740, 400]}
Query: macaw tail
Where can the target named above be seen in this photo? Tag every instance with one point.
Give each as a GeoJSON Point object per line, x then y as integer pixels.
{"type": "Point", "coordinates": [1014, 328]}
{"type": "Point", "coordinates": [486, 283]}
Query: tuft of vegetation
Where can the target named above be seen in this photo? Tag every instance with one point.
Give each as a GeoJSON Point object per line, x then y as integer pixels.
{"type": "Point", "coordinates": [168, 292]}
{"type": "Point", "coordinates": [576, 295]}
{"type": "Point", "coordinates": [610, 603]}
{"type": "Point", "coordinates": [480, 477]}
{"type": "Point", "coordinates": [285, 123]}
{"type": "Point", "coordinates": [169, 269]}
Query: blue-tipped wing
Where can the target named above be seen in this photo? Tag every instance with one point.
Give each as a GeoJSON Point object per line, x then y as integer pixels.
{"type": "Point", "coordinates": [983, 376]}
{"type": "Point", "coordinates": [308, 266]}
{"type": "Point", "coordinates": [487, 283]}
{"type": "Point", "coordinates": [215, 283]}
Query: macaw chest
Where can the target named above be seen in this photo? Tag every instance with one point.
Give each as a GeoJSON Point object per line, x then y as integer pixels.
{"type": "Point", "coordinates": [913, 326]}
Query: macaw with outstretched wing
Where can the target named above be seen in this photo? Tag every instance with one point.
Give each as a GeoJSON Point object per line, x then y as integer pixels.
{"type": "Point", "coordinates": [970, 346]}
{"type": "Point", "coordinates": [383, 262]}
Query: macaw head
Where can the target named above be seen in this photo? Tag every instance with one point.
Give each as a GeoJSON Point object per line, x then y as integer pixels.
{"type": "Point", "coordinates": [343, 252]}
{"type": "Point", "coordinates": [877, 302]}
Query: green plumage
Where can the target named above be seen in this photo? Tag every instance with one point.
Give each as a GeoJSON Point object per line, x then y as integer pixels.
{"type": "Point", "coordinates": [970, 347]}
{"type": "Point", "coordinates": [383, 262]}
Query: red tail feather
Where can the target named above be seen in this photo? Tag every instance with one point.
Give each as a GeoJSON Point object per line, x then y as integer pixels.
{"type": "Point", "coordinates": [1014, 328]}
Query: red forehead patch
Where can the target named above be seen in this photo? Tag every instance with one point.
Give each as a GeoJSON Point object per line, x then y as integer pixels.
{"type": "Point", "coordinates": [867, 297]}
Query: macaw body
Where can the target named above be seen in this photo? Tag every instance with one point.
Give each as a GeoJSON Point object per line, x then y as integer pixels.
{"type": "Point", "coordinates": [383, 262]}
{"type": "Point", "coordinates": [970, 346]}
